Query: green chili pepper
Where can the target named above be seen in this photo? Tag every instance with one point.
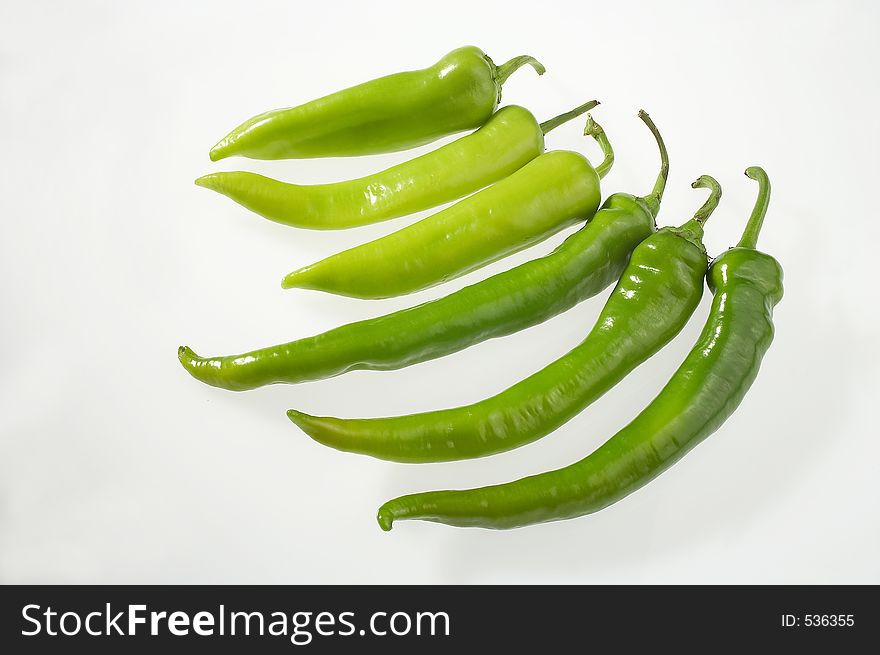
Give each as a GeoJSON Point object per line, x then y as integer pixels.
{"type": "Point", "coordinates": [658, 291]}
{"type": "Point", "coordinates": [700, 396]}
{"type": "Point", "coordinates": [510, 139]}
{"type": "Point", "coordinates": [548, 194]}
{"type": "Point", "coordinates": [460, 92]}
{"type": "Point", "coordinates": [584, 264]}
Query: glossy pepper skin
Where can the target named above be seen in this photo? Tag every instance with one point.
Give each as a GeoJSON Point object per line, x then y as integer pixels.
{"type": "Point", "coordinates": [704, 391]}
{"type": "Point", "coordinates": [460, 92]}
{"type": "Point", "coordinates": [584, 264]}
{"type": "Point", "coordinates": [551, 192]}
{"type": "Point", "coordinates": [508, 141]}
{"type": "Point", "coordinates": [658, 291]}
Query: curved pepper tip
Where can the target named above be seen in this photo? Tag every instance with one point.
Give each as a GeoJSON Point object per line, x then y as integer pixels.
{"type": "Point", "coordinates": [295, 280]}
{"type": "Point", "coordinates": [385, 518]}
{"type": "Point", "coordinates": [296, 416]}
{"type": "Point", "coordinates": [208, 181]}
{"type": "Point", "coordinates": [218, 151]}
{"type": "Point", "coordinates": [188, 359]}
{"type": "Point", "coordinates": [305, 422]}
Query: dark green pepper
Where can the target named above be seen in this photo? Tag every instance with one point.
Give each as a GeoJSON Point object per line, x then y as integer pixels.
{"type": "Point", "coordinates": [658, 291]}
{"type": "Point", "coordinates": [586, 262]}
{"type": "Point", "coordinates": [705, 390]}
{"type": "Point", "coordinates": [460, 92]}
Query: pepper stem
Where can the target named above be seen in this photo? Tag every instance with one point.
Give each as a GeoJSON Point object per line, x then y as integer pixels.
{"type": "Point", "coordinates": [753, 227]}
{"type": "Point", "coordinates": [507, 69]}
{"type": "Point", "coordinates": [556, 121]}
{"type": "Point", "coordinates": [596, 131]}
{"type": "Point", "coordinates": [653, 199]}
{"type": "Point", "coordinates": [707, 182]}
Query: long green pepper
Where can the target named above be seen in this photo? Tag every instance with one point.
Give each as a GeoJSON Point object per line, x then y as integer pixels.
{"type": "Point", "coordinates": [658, 291]}
{"type": "Point", "coordinates": [551, 192]}
{"type": "Point", "coordinates": [460, 92]}
{"type": "Point", "coordinates": [584, 264]}
{"type": "Point", "coordinates": [704, 391]}
{"type": "Point", "coordinates": [507, 142]}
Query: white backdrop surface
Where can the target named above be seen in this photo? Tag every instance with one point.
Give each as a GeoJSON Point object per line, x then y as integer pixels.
{"type": "Point", "coordinates": [118, 467]}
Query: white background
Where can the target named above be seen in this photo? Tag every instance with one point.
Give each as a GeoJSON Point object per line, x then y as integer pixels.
{"type": "Point", "coordinates": [118, 467]}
